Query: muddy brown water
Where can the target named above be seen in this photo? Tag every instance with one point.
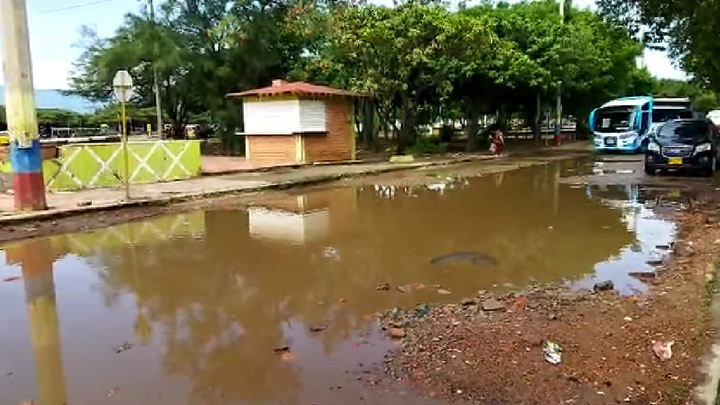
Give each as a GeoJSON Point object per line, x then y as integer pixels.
{"type": "Point", "coordinates": [190, 308]}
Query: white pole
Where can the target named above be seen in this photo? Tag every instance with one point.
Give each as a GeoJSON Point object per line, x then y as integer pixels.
{"type": "Point", "coordinates": [558, 105]}
{"type": "Point", "coordinates": [156, 85]}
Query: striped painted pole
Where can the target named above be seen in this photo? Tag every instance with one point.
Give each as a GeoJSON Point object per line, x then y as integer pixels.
{"type": "Point", "coordinates": [25, 156]}
{"type": "Point", "coordinates": [36, 258]}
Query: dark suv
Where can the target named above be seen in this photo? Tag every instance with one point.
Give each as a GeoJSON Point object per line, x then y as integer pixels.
{"type": "Point", "coordinates": [686, 144]}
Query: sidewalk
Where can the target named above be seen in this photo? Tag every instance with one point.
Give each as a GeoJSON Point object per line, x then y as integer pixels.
{"type": "Point", "coordinates": [63, 204]}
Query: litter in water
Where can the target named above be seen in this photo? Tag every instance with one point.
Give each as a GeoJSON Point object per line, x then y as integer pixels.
{"type": "Point", "coordinates": [124, 347]}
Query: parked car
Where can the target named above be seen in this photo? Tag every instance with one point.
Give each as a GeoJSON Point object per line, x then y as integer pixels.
{"type": "Point", "coordinates": [684, 144]}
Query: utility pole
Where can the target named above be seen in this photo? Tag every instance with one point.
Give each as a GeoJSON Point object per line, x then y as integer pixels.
{"type": "Point", "coordinates": [25, 152]}
{"type": "Point", "coordinates": [156, 85]}
{"type": "Point", "coordinates": [558, 105]}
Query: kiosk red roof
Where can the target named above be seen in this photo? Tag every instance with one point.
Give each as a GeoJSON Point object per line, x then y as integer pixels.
{"type": "Point", "coordinates": [281, 88]}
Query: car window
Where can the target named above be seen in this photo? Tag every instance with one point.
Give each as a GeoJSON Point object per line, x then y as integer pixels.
{"type": "Point", "coordinates": [677, 130]}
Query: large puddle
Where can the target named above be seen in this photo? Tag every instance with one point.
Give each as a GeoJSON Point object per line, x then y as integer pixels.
{"type": "Point", "coordinates": [275, 304]}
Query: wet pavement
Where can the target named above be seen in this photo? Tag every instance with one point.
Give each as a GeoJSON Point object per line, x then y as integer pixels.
{"type": "Point", "coordinates": [274, 304]}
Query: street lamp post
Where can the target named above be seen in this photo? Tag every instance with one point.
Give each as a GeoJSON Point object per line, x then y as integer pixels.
{"type": "Point", "coordinates": [558, 106]}
{"type": "Point", "coordinates": [156, 84]}
{"type": "Point", "coordinates": [122, 86]}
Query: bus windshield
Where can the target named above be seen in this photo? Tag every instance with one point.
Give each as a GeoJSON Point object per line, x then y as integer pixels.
{"type": "Point", "coordinates": [613, 119]}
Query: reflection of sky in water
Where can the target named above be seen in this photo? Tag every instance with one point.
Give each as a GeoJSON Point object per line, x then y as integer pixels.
{"type": "Point", "coordinates": [650, 232]}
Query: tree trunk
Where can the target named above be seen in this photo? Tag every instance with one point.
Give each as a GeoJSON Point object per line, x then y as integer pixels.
{"type": "Point", "coordinates": [406, 125]}
{"type": "Point", "coordinates": [472, 128]}
{"type": "Point", "coordinates": [582, 130]}
{"type": "Point", "coordinates": [357, 116]}
{"type": "Point", "coordinates": [368, 121]}
{"type": "Point", "coordinates": [537, 134]}
{"type": "Point", "coordinates": [502, 118]}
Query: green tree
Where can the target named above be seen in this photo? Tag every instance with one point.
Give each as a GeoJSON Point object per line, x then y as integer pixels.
{"type": "Point", "coordinates": [408, 57]}
{"type": "Point", "coordinates": [202, 50]}
{"type": "Point", "coordinates": [588, 58]}
{"type": "Point", "coordinates": [687, 28]}
{"type": "Point", "coordinates": [132, 48]}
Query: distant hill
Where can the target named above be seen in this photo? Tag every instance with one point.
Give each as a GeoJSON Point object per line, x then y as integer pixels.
{"type": "Point", "coordinates": [47, 98]}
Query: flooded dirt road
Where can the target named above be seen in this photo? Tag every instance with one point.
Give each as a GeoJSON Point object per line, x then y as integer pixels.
{"type": "Point", "coordinates": [276, 303]}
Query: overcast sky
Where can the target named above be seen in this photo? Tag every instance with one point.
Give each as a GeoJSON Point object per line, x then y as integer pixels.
{"type": "Point", "coordinates": [55, 26]}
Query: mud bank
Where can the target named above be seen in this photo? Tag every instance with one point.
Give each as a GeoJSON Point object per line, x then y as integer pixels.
{"type": "Point", "coordinates": [489, 349]}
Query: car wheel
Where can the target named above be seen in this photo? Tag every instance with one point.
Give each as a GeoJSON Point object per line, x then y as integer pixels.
{"type": "Point", "coordinates": [711, 170]}
{"type": "Point", "coordinates": [649, 170]}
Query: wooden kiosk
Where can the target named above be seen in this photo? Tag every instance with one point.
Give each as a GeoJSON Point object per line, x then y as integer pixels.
{"type": "Point", "coordinates": [292, 123]}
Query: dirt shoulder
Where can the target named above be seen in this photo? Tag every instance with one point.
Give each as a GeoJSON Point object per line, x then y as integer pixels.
{"type": "Point", "coordinates": [464, 352]}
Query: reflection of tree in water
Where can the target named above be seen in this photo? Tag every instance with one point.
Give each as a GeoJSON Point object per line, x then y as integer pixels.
{"type": "Point", "coordinates": [221, 308]}
{"type": "Point", "coordinates": [223, 303]}
{"type": "Point", "coordinates": [516, 224]}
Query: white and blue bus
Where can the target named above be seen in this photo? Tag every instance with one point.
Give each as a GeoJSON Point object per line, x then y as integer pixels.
{"type": "Point", "coordinates": [623, 125]}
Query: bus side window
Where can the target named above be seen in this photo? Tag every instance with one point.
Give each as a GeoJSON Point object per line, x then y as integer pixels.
{"type": "Point", "coordinates": [644, 122]}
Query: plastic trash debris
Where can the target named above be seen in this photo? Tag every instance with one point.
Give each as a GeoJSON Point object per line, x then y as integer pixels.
{"type": "Point", "coordinates": [439, 187]}
{"type": "Point", "coordinates": [330, 252]}
{"type": "Point", "coordinates": [383, 287]}
{"type": "Point", "coordinates": [124, 347]}
{"type": "Point", "coordinates": [663, 349]}
{"type": "Point", "coordinates": [552, 352]}
{"type": "Point", "coordinates": [404, 288]}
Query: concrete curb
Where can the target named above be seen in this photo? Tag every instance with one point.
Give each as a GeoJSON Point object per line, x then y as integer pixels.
{"type": "Point", "coordinates": [288, 166]}
{"type": "Point", "coordinates": [708, 393]}
{"type": "Point", "coordinates": [14, 219]}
